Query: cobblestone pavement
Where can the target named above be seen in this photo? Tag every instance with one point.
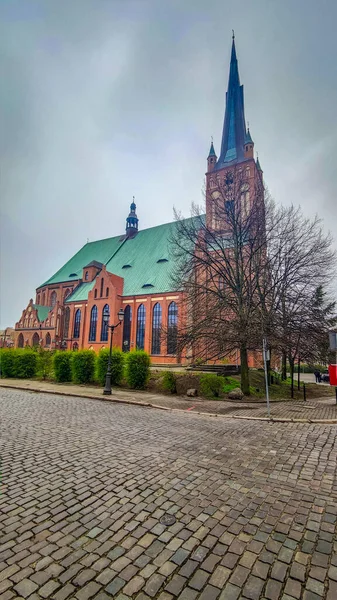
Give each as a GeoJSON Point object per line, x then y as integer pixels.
{"type": "Point", "coordinates": [85, 484]}
{"type": "Point", "coordinates": [324, 408]}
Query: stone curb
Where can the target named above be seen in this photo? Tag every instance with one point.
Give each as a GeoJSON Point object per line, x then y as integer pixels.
{"type": "Point", "coordinates": [184, 410]}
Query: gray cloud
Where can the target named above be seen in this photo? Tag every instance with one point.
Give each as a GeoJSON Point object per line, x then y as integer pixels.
{"type": "Point", "coordinates": [103, 99]}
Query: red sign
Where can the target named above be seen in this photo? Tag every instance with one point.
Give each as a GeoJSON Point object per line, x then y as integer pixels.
{"type": "Point", "coordinates": [333, 374]}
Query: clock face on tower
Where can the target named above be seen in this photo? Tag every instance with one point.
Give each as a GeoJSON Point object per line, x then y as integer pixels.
{"type": "Point", "coordinates": [216, 195]}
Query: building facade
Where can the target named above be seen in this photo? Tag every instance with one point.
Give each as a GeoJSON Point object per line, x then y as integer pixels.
{"type": "Point", "coordinates": [134, 271]}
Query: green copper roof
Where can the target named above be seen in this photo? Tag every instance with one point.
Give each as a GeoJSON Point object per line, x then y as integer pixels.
{"type": "Point", "coordinates": [100, 251]}
{"type": "Point", "coordinates": [81, 292]}
{"type": "Point", "coordinates": [144, 262]}
{"type": "Point", "coordinates": [42, 311]}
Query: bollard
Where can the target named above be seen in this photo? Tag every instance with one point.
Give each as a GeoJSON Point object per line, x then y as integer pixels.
{"type": "Point", "coordinates": [305, 393]}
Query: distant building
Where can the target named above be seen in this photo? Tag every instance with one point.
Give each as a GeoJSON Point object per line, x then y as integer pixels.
{"type": "Point", "coordinates": [133, 271]}
{"type": "Point", "coordinates": [7, 337]}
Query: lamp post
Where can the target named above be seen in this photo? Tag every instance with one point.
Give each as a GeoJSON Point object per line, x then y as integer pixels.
{"type": "Point", "coordinates": [107, 389]}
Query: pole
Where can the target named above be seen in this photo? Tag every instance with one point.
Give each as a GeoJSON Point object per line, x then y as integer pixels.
{"type": "Point", "coordinates": [107, 389]}
{"type": "Point", "coordinates": [264, 342]}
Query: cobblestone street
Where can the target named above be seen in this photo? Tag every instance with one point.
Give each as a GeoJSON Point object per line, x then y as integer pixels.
{"type": "Point", "coordinates": [85, 484]}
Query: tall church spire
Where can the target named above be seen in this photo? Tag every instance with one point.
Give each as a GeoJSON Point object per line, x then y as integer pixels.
{"type": "Point", "coordinates": [234, 128]}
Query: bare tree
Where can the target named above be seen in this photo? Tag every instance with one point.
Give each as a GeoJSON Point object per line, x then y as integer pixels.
{"type": "Point", "coordinates": [248, 269]}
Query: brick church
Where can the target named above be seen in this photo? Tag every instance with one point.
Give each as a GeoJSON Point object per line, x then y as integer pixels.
{"type": "Point", "coordinates": [133, 271]}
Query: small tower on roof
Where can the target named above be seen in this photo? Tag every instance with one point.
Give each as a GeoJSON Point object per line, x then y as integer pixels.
{"type": "Point", "coordinates": [249, 145]}
{"type": "Point", "coordinates": [132, 221]}
{"type": "Point", "coordinates": [211, 158]}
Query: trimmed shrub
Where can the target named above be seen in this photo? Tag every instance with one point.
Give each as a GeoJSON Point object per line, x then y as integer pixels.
{"type": "Point", "coordinates": [83, 366]}
{"type": "Point", "coordinates": [211, 385]}
{"type": "Point", "coordinates": [25, 364]}
{"type": "Point", "coordinates": [169, 382]}
{"type": "Point", "coordinates": [137, 369]}
{"type": "Point", "coordinates": [62, 365]}
{"type": "Point", "coordinates": [44, 363]}
{"type": "Point", "coordinates": [117, 366]}
{"type": "Point", "coordinates": [7, 362]}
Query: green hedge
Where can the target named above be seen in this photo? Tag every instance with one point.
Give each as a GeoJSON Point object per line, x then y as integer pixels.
{"type": "Point", "coordinates": [169, 382]}
{"type": "Point", "coordinates": [117, 365]}
{"type": "Point", "coordinates": [44, 368]}
{"type": "Point", "coordinates": [17, 362]}
{"type": "Point", "coordinates": [83, 366]}
{"type": "Point", "coordinates": [211, 385]}
{"type": "Point", "coordinates": [137, 369]}
{"type": "Point", "coordinates": [62, 365]}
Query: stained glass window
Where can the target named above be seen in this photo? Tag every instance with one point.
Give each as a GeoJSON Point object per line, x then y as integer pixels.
{"type": "Point", "coordinates": [77, 324]}
{"type": "Point", "coordinates": [156, 325]}
{"type": "Point", "coordinates": [172, 328]}
{"type": "Point", "coordinates": [127, 328]}
{"type": "Point", "coordinates": [105, 323]}
{"type": "Point", "coordinates": [93, 324]}
{"type": "Point", "coordinates": [141, 313]}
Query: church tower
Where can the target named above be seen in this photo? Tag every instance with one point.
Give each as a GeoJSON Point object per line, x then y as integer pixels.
{"type": "Point", "coordinates": [132, 221]}
{"type": "Point", "coordinates": [236, 166]}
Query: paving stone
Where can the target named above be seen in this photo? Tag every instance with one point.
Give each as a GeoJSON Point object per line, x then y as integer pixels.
{"type": "Point", "coordinates": [25, 588]}
{"type": "Point", "coordinates": [199, 579]}
{"type": "Point", "coordinates": [116, 584]}
{"type": "Point", "coordinates": [154, 584]}
{"type": "Point", "coordinates": [273, 589]}
{"type": "Point", "coordinates": [253, 588]}
{"type": "Point", "coordinates": [220, 576]}
{"type": "Point", "coordinates": [239, 576]}
{"type": "Point", "coordinates": [315, 586]}
{"type": "Point", "coordinates": [230, 592]}
{"type": "Point", "coordinates": [293, 588]}
{"type": "Point", "coordinates": [209, 593]}
{"type": "Point", "coordinates": [134, 585]}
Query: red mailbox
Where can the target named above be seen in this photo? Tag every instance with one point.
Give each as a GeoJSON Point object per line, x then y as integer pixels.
{"type": "Point", "coordinates": [333, 374]}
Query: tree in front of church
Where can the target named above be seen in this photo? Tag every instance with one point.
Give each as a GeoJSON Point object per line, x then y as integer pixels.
{"type": "Point", "coordinates": [249, 270]}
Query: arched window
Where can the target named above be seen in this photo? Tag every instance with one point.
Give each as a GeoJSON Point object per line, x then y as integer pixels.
{"type": "Point", "coordinates": [102, 286]}
{"type": "Point", "coordinates": [93, 324]}
{"type": "Point", "coordinates": [66, 294]}
{"type": "Point", "coordinates": [52, 320]}
{"type": "Point", "coordinates": [38, 299]}
{"type": "Point", "coordinates": [172, 328]}
{"type": "Point", "coordinates": [66, 322]}
{"type": "Point", "coordinates": [26, 322]}
{"type": "Point", "coordinates": [20, 341]}
{"type": "Point", "coordinates": [53, 299]}
{"type": "Point", "coordinates": [86, 276]}
{"type": "Point", "coordinates": [107, 292]}
{"type": "Point", "coordinates": [105, 323]}
{"type": "Point", "coordinates": [141, 313]}
{"type": "Point", "coordinates": [31, 320]}
{"type": "Point", "coordinates": [95, 294]}
{"type": "Point", "coordinates": [43, 299]}
{"type": "Point", "coordinates": [36, 339]}
{"type": "Point", "coordinates": [48, 340]}
{"type": "Point", "coordinates": [127, 328]}
{"type": "Point", "coordinates": [77, 323]}
{"type": "Point", "coordinates": [156, 325]}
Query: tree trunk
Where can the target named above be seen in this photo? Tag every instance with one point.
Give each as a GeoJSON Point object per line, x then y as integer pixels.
{"type": "Point", "coordinates": [291, 364]}
{"type": "Point", "coordinates": [244, 370]}
{"type": "Point", "coordinates": [284, 366]}
{"type": "Point", "coordinates": [299, 374]}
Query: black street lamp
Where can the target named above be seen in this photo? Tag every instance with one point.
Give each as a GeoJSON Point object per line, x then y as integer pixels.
{"type": "Point", "coordinates": [107, 389]}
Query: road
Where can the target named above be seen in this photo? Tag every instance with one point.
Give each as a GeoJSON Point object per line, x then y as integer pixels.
{"type": "Point", "coordinates": [86, 483]}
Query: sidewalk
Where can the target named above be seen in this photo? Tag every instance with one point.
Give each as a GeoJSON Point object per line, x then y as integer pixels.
{"type": "Point", "coordinates": [315, 411]}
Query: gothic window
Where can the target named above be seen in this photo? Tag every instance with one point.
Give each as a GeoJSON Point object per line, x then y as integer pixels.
{"type": "Point", "coordinates": [95, 294]}
{"type": "Point", "coordinates": [141, 313]}
{"type": "Point", "coordinates": [53, 299]}
{"type": "Point", "coordinates": [66, 322]}
{"type": "Point", "coordinates": [43, 299]}
{"type": "Point", "coordinates": [52, 320]}
{"type": "Point", "coordinates": [105, 323]}
{"type": "Point", "coordinates": [38, 299]}
{"type": "Point", "coordinates": [172, 328]}
{"type": "Point", "coordinates": [26, 321]}
{"type": "Point", "coordinates": [107, 292]}
{"type": "Point", "coordinates": [77, 323]}
{"type": "Point", "coordinates": [93, 324]}
{"type": "Point", "coordinates": [66, 294]}
{"type": "Point", "coordinates": [247, 172]}
{"type": "Point", "coordinates": [47, 322]}
{"type": "Point", "coordinates": [127, 328]}
{"type": "Point", "coordinates": [36, 340]}
{"type": "Point", "coordinates": [102, 286]}
{"type": "Point", "coordinates": [86, 276]}
{"type": "Point", "coordinates": [48, 340]}
{"type": "Point", "coordinates": [156, 325]}
{"type": "Point", "coordinates": [20, 341]}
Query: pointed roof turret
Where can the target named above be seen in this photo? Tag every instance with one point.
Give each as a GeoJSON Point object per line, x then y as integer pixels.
{"type": "Point", "coordinates": [248, 138]}
{"type": "Point", "coordinates": [211, 150]}
{"type": "Point", "coordinates": [132, 220]}
{"type": "Point", "coordinates": [258, 166]}
{"type": "Point", "coordinates": [234, 128]}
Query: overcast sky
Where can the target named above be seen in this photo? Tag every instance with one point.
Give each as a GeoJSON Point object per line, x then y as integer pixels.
{"type": "Point", "coordinates": [105, 99]}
